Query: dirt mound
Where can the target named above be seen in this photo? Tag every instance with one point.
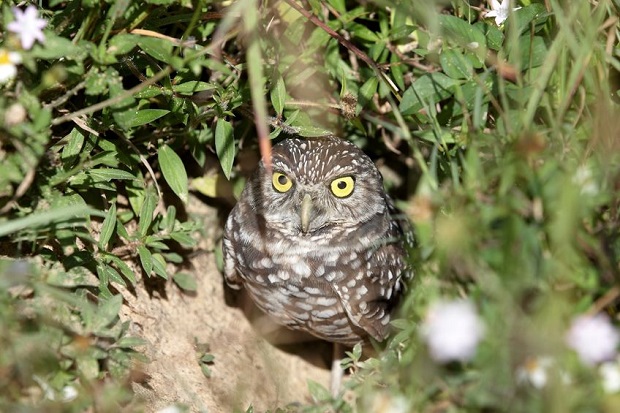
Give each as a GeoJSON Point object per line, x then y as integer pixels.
{"type": "Point", "coordinates": [246, 369]}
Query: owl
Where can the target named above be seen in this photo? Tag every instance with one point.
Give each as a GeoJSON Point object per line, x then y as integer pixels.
{"type": "Point", "coordinates": [317, 243]}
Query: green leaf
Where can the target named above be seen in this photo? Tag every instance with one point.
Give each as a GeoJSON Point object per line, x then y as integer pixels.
{"type": "Point", "coordinates": [212, 185]}
{"type": "Point", "coordinates": [225, 145]}
{"type": "Point", "coordinates": [123, 43]}
{"type": "Point", "coordinates": [401, 324]}
{"type": "Point", "coordinates": [401, 32]}
{"type": "Point", "coordinates": [149, 92]}
{"type": "Point", "coordinates": [534, 13]}
{"type": "Point", "coordinates": [185, 281]}
{"type": "Point", "coordinates": [38, 219]}
{"type": "Point", "coordinates": [146, 259]}
{"type": "Point", "coordinates": [169, 219]}
{"type": "Point", "coordinates": [110, 274]}
{"type": "Point", "coordinates": [146, 212]}
{"type": "Point", "coordinates": [339, 5]}
{"type": "Point", "coordinates": [312, 131]}
{"type": "Point", "coordinates": [205, 370]}
{"type": "Point", "coordinates": [173, 257]}
{"type": "Point", "coordinates": [396, 70]}
{"type": "Point", "coordinates": [56, 47]}
{"type": "Point", "coordinates": [97, 82]}
{"type": "Point", "coordinates": [107, 312]}
{"type": "Point", "coordinates": [192, 86]}
{"type": "Point", "coordinates": [121, 230]}
{"type": "Point", "coordinates": [130, 342]}
{"type": "Point", "coordinates": [123, 267]}
{"type": "Point", "coordinates": [160, 49]}
{"type": "Point", "coordinates": [109, 174]}
{"type": "Point", "coordinates": [173, 169]}
{"type": "Point", "coordinates": [136, 193]}
{"type": "Point", "coordinates": [455, 65]}
{"type": "Point", "coordinates": [461, 32]}
{"type": "Point", "coordinates": [159, 266]}
{"type": "Point", "coordinates": [143, 117]}
{"type": "Point", "coordinates": [207, 358]}
{"type": "Point", "coordinates": [205, 361]}
{"type": "Point", "coordinates": [73, 146]}
{"type": "Point", "coordinates": [42, 120]}
{"type": "Point", "coordinates": [158, 245]}
{"type": "Point", "coordinates": [442, 136]}
{"type": "Point", "coordinates": [107, 229]}
{"type": "Point", "coordinates": [184, 239]}
{"type": "Point", "coordinates": [429, 89]}
{"type": "Point", "coordinates": [87, 366]}
{"type": "Point", "coordinates": [494, 36]}
{"type": "Point", "coordinates": [278, 96]}
{"type": "Point", "coordinates": [368, 90]}
{"type": "Point", "coordinates": [362, 32]}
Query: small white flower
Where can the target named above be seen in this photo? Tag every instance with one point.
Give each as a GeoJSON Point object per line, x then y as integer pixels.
{"type": "Point", "coordinates": [452, 330]}
{"type": "Point", "coordinates": [610, 374]}
{"type": "Point", "coordinates": [584, 178]}
{"type": "Point", "coordinates": [68, 394]}
{"type": "Point", "coordinates": [594, 338]}
{"type": "Point", "coordinates": [8, 62]}
{"type": "Point", "coordinates": [27, 26]}
{"type": "Point", "coordinates": [500, 11]}
{"type": "Point", "coordinates": [535, 371]}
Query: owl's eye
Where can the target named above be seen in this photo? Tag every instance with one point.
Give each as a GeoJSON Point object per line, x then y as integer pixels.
{"type": "Point", "coordinates": [281, 182]}
{"type": "Point", "coordinates": [343, 187]}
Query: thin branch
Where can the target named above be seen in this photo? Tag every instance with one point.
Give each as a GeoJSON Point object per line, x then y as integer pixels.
{"type": "Point", "coordinates": [66, 96]}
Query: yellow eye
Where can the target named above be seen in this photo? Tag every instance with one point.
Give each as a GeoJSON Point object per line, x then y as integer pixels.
{"type": "Point", "coordinates": [343, 187]}
{"type": "Point", "coordinates": [281, 182]}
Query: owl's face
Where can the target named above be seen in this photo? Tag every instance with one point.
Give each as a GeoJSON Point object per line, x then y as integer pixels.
{"type": "Point", "coordinates": [317, 185]}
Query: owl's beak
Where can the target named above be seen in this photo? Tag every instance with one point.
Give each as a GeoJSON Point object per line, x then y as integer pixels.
{"type": "Point", "coordinates": [306, 210]}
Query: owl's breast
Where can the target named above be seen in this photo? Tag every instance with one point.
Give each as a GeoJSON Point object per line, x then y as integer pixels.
{"type": "Point", "coordinates": [337, 284]}
{"type": "Point", "coordinates": [310, 306]}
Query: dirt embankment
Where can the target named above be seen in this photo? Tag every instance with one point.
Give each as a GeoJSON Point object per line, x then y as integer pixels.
{"type": "Point", "coordinates": [246, 368]}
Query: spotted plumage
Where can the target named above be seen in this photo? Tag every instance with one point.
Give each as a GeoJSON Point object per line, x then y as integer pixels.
{"type": "Point", "coordinates": [317, 243]}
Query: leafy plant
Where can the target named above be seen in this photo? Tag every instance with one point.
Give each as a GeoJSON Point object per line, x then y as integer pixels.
{"type": "Point", "coordinates": [499, 142]}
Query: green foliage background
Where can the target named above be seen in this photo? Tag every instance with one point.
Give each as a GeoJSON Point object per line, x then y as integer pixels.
{"type": "Point", "coordinates": [501, 142]}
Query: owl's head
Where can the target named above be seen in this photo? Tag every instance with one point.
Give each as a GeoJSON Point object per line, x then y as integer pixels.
{"type": "Point", "coordinates": [317, 185]}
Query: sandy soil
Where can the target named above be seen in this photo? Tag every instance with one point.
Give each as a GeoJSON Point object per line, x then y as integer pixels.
{"type": "Point", "coordinates": [247, 369]}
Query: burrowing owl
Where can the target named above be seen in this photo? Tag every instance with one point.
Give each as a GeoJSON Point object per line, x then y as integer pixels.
{"type": "Point", "coordinates": [317, 243]}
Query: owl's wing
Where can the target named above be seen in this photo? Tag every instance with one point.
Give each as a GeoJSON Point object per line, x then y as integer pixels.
{"type": "Point", "coordinates": [243, 248]}
{"type": "Point", "coordinates": [371, 293]}
{"type": "Point", "coordinates": [230, 254]}
{"type": "Point", "coordinates": [370, 301]}
{"type": "Point", "coordinates": [400, 227]}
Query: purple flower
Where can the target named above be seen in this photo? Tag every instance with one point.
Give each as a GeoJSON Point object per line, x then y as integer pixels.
{"type": "Point", "coordinates": [27, 26]}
